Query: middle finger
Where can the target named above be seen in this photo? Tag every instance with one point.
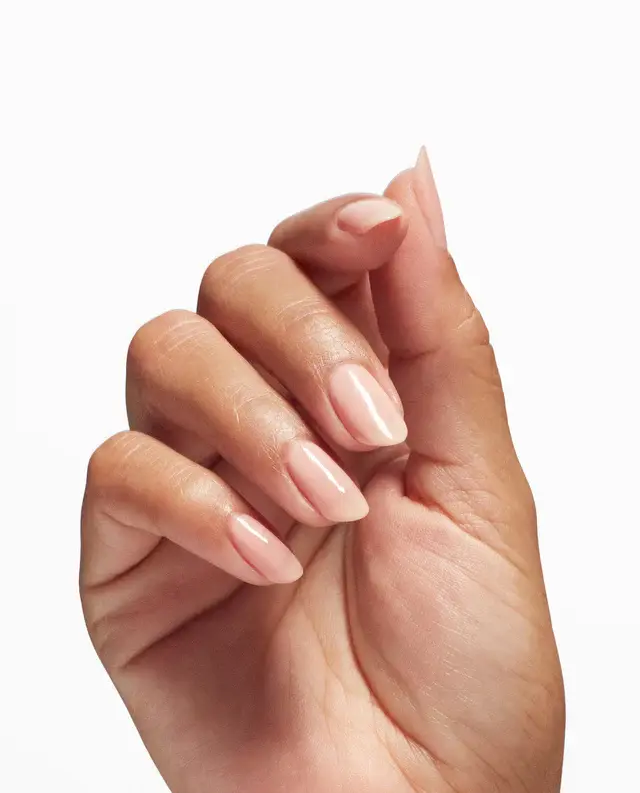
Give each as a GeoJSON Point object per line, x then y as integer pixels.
{"type": "Point", "coordinates": [273, 314]}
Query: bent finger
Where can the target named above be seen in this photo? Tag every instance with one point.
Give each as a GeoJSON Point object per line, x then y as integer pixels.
{"type": "Point", "coordinates": [339, 240]}
{"type": "Point", "coordinates": [337, 243]}
{"type": "Point", "coordinates": [140, 491]}
{"type": "Point", "coordinates": [189, 375]}
{"type": "Point", "coordinates": [297, 333]}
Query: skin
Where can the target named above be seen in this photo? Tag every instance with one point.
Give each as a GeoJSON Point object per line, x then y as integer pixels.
{"type": "Point", "coordinates": [416, 652]}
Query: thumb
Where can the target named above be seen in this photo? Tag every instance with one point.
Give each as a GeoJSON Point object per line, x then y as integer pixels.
{"type": "Point", "coordinates": [441, 360]}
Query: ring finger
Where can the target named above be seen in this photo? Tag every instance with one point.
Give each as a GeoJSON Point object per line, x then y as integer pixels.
{"type": "Point", "coordinates": [270, 311]}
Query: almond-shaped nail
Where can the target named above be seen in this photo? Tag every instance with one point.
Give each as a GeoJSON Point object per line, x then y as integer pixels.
{"type": "Point", "coordinates": [361, 216]}
{"type": "Point", "coordinates": [263, 551]}
{"type": "Point", "coordinates": [365, 408]}
{"type": "Point", "coordinates": [324, 484]}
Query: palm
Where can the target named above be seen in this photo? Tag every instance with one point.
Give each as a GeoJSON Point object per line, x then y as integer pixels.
{"type": "Point", "coordinates": [319, 684]}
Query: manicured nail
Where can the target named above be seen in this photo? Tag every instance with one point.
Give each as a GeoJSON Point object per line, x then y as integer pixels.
{"type": "Point", "coordinates": [365, 408]}
{"type": "Point", "coordinates": [361, 216]}
{"type": "Point", "coordinates": [324, 484]}
{"type": "Point", "coordinates": [428, 199]}
{"type": "Point", "coordinates": [263, 551]}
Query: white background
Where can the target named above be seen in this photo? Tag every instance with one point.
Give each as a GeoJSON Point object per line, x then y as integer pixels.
{"type": "Point", "coordinates": [141, 139]}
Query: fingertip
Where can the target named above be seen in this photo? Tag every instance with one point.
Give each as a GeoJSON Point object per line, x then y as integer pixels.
{"type": "Point", "coordinates": [348, 235]}
{"type": "Point", "coordinates": [262, 552]}
{"type": "Point", "coordinates": [367, 232]}
{"type": "Point", "coordinates": [363, 216]}
{"type": "Point", "coordinates": [364, 234]}
{"type": "Point", "coordinates": [417, 185]}
{"type": "Point", "coordinates": [399, 185]}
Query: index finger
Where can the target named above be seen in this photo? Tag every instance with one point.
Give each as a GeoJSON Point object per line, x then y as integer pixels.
{"type": "Point", "coordinates": [337, 241]}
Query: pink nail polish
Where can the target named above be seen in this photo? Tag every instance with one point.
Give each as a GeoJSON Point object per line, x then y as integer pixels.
{"type": "Point", "coordinates": [361, 216]}
{"type": "Point", "coordinates": [324, 484]}
{"type": "Point", "coordinates": [263, 551]}
{"type": "Point", "coordinates": [365, 408]}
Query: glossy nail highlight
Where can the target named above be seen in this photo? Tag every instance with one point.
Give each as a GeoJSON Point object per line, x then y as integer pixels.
{"type": "Point", "coordinates": [361, 216]}
{"type": "Point", "coordinates": [365, 408]}
{"type": "Point", "coordinates": [324, 484]}
{"type": "Point", "coordinates": [263, 551]}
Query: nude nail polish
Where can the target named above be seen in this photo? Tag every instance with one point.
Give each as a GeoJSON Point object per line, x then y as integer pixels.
{"type": "Point", "coordinates": [323, 483]}
{"type": "Point", "coordinates": [262, 551]}
{"type": "Point", "coordinates": [364, 407]}
{"type": "Point", "coordinates": [361, 216]}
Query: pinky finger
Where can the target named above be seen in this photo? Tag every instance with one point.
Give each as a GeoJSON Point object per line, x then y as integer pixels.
{"type": "Point", "coordinates": [140, 491]}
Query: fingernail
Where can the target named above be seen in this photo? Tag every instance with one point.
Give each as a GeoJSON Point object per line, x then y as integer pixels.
{"type": "Point", "coordinates": [428, 199]}
{"type": "Point", "coordinates": [361, 216]}
{"type": "Point", "coordinates": [263, 551]}
{"type": "Point", "coordinates": [365, 408]}
{"type": "Point", "coordinates": [324, 484]}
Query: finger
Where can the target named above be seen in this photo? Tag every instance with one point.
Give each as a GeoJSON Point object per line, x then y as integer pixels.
{"type": "Point", "coordinates": [339, 240]}
{"type": "Point", "coordinates": [442, 362]}
{"type": "Point", "coordinates": [298, 335]}
{"type": "Point", "coordinates": [140, 491]}
{"type": "Point", "coordinates": [337, 243]}
{"type": "Point", "coordinates": [188, 375]}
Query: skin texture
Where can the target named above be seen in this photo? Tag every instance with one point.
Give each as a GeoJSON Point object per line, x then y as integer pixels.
{"type": "Point", "coordinates": [416, 652]}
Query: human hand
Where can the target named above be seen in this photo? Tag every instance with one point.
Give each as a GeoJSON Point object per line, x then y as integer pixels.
{"type": "Point", "coordinates": [416, 653]}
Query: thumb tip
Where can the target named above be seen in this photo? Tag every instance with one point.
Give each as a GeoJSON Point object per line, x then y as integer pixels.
{"type": "Point", "coordinates": [416, 187]}
{"type": "Point", "coordinates": [398, 186]}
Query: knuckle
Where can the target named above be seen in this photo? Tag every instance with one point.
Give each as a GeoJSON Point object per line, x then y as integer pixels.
{"type": "Point", "coordinates": [105, 458]}
{"type": "Point", "coordinates": [107, 462]}
{"type": "Point", "coordinates": [160, 334]}
{"type": "Point", "coordinates": [311, 318]}
{"type": "Point", "coordinates": [305, 313]}
{"type": "Point", "coordinates": [249, 251]}
{"type": "Point", "coordinates": [248, 407]}
{"type": "Point", "coordinates": [98, 626]}
{"type": "Point", "coordinates": [232, 268]}
{"type": "Point", "coordinates": [471, 328]}
{"type": "Point", "coordinates": [279, 234]}
{"type": "Point", "coordinates": [110, 633]}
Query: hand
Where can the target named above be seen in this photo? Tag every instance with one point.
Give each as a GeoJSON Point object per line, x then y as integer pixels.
{"type": "Point", "coordinates": [416, 653]}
